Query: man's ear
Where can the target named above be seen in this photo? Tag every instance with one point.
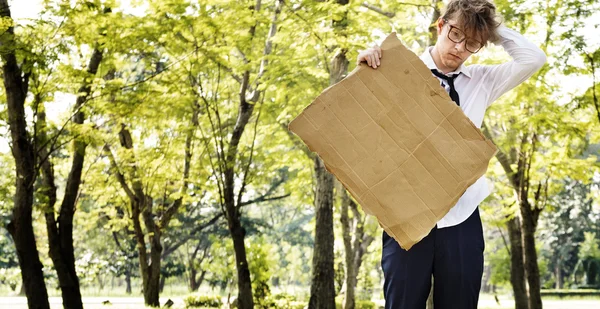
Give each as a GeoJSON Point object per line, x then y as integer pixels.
{"type": "Point", "coordinates": [440, 25]}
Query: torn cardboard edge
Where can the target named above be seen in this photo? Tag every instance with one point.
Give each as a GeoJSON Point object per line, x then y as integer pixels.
{"type": "Point", "coordinates": [396, 142]}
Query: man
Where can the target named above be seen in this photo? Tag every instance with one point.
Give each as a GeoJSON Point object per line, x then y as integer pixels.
{"type": "Point", "coordinates": [453, 250]}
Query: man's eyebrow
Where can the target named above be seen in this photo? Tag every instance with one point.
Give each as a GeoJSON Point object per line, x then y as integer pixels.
{"type": "Point", "coordinates": [474, 35]}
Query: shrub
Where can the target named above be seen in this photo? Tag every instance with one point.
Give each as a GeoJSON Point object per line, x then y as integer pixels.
{"type": "Point", "coordinates": [194, 301]}
{"type": "Point", "coordinates": [570, 293]}
{"type": "Point", "coordinates": [282, 301]}
{"type": "Point", "coordinates": [285, 296]}
{"type": "Point", "coordinates": [358, 304]}
{"type": "Point", "coordinates": [365, 304]}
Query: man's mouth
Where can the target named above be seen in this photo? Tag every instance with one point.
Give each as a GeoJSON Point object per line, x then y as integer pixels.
{"type": "Point", "coordinates": [455, 56]}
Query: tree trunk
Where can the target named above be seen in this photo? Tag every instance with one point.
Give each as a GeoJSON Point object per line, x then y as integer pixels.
{"type": "Point", "coordinates": [148, 266]}
{"type": "Point", "coordinates": [245, 300]}
{"type": "Point", "coordinates": [200, 279]}
{"type": "Point", "coordinates": [194, 280]}
{"type": "Point", "coordinates": [20, 225]}
{"type": "Point", "coordinates": [532, 271]}
{"type": "Point", "coordinates": [351, 271]}
{"type": "Point", "coordinates": [162, 283]}
{"type": "Point", "coordinates": [21, 230]}
{"type": "Point", "coordinates": [322, 290]}
{"type": "Point", "coordinates": [558, 274]}
{"type": "Point", "coordinates": [193, 285]}
{"type": "Point", "coordinates": [517, 268]}
{"type": "Point", "coordinates": [152, 284]}
{"type": "Point", "coordinates": [22, 290]}
{"type": "Point", "coordinates": [151, 278]}
{"type": "Point", "coordinates": [128, 281]}
{"type": "Point", "coordinates": [232, 211]}
{"type": "Point", "coordinates": [356, 242]}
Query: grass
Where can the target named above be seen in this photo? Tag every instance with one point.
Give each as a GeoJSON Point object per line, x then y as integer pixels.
{"type": "Point", "coordinates": [178, 291]}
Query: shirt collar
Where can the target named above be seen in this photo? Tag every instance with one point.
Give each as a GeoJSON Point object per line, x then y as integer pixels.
{"type": "Point", "coordinates": [428, 60]}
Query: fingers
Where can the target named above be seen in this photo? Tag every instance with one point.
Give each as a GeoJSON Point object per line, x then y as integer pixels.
{"type": "Point", "coordinates": [368, 58]}
{"type": "Point", "coordinates": [374, 60]}
{"type": "Point", "coordinates": [372, 56]}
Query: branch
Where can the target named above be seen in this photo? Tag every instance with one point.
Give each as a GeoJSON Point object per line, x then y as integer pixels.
{"type": "Point", "coordinates": [502, 158]}
{"type": "Point", "coordinates": [247, 168]}
{"type": "Point", "coordinates": [594, 96]}
{"type": "Point", "coordinates": [268, 48]}
{"type": "Point", "coordinates": [172, 209]}
{"type": "Point", "coordinates": [71, 193]}
{"type": "Point", "coordinates": [297, 142]}
{"type": "Point", "coordinates": [118, 174]}
{"type": "Point", "coordinates": [137, 187]}
{"type": "Point", "coordinates": [504, 240]}
{"type": "Point", "coordinates": [210, 56]}
{"type": "Point", "coordinates": [246, 76]}
{"type": "Point", "coordinates": [191, 235]}
{"type": "Point", "coordinates": [378, 10]}
{"type": "Point", "coordinates": [270, 191]}
{"type": "Point", "coordinates": [264, 199]}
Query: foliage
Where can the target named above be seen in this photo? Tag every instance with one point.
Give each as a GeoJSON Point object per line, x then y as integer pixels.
{"type": "Point", "coordinates": [203, 301]}
{"type": "Point", "coordinates": [166, 60]}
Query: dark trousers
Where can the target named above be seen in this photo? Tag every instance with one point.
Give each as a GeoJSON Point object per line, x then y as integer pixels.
{"type": "Point", "coordinates": [453, 255]}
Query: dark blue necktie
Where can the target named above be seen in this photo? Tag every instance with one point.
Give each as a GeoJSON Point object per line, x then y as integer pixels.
{"type": "Point", "coordinates": [450, 81]}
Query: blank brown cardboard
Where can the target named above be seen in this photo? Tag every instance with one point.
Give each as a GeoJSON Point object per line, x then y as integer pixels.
{"type": "Point", "coordinates": [394, 138]}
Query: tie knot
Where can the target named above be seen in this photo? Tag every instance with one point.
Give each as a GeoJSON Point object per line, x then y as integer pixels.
{"type": "Point", "coordinates": [439, 74]}
{"type": "Point", "coordinates": [450, 80]}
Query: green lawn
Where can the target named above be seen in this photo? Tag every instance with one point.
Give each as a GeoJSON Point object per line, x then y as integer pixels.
{"type": "Point", "coordinates": [120, 300]}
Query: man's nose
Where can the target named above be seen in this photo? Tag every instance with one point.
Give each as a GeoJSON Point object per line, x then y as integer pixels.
{"type": "Point", "coordinates": [461, 46]}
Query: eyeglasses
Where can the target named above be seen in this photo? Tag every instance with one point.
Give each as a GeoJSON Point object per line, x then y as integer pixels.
{"type": "Point", "coordinates": [457, 36]}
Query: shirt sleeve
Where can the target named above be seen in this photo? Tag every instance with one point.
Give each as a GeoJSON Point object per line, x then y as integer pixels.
{"type": "Point", "coordinates": [527, 59]}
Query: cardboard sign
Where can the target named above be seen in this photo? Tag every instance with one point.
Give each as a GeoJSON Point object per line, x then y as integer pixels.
{"type": "Point", "coordinates": [394, 138]}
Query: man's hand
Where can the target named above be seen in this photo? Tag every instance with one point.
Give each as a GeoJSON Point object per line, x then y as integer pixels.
{"type": "Point", "coordinates": [371, 56]}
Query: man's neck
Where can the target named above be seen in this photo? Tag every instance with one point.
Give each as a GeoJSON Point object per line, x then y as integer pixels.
{"type": "Point", "coordinates": [438, 61]}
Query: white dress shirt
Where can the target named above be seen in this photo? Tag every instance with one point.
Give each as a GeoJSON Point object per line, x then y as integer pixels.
{"type": "Point", "coordinates": [480, 85]}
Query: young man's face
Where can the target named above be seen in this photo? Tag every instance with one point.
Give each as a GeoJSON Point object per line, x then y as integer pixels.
{"type": "Point", "coordinates": [454, 46]}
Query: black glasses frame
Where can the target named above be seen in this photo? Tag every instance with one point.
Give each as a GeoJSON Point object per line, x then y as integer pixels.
{"type": "Point", "coordinates": [464, 38]}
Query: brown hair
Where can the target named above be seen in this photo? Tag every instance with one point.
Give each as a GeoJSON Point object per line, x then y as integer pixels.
{"type": "Point", "coordinates": [474, 16]}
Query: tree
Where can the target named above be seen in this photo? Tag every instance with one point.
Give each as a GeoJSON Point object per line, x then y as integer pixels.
{"type": "Point", "coordinates": [150, 209]}
{"type": "Point", "coordinates": [224, 132]}
{"type": "Point", "coordinates": [531, 152]}
{"type": "Point", "coordinates": [16, 82]}
{"type": "Point", "coordinates": [322, 289]}
{"type": "Point", "coordinates": [60, 229]}
{"type": "Point", "coordinates": [356, 241]}
{"type": "Point", "coordinates": [142, 202]}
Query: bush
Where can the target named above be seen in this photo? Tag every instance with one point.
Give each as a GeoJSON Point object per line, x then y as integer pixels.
{"type": "Point", "coordinates": [291, 305]}
{"type": "Point", "coordinates": [282, 301]}
{"type": "Point", "coordinates": [194, 301]}
{"type": "Point", "coordinates": [365, 304]}
{"type": "Point", "coordinates": [570, 293]}
{"type": "Point", "coordinates": [588, 287]}
{"type": "Point", "coordinates": [358, 304]}
{"type": "Point", "coordinates": [285, 296]}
